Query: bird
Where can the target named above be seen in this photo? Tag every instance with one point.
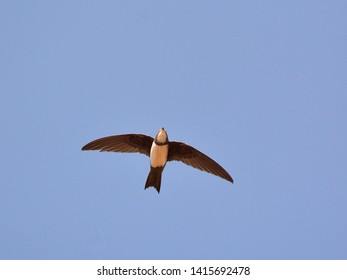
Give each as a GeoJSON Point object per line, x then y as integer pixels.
{"type": "Point", "coordinates": [160, 150]}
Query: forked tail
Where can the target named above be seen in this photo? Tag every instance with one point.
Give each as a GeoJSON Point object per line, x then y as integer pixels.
{"type": "Point", "coordinates": [154, 178]}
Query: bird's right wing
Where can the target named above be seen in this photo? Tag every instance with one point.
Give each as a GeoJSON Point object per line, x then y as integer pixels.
{"type": "Point", "coordinates": [126, 143]}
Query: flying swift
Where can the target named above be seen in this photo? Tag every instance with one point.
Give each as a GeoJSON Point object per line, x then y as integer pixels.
{"type": "Point", "coordinates": [160, 150]}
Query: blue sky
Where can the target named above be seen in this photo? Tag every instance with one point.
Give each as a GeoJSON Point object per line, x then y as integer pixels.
{"type": "Point", "coordinates": [258, 86]}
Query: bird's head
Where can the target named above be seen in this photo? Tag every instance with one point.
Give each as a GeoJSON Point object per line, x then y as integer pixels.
{"type": "Point", "coordinates": [161, 137]}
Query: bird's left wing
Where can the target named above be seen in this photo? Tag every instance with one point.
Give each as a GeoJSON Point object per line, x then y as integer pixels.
{"type": "Point", "coordinates": [126, 143]}
{"type": "Point", "coordinates": [191, 156]}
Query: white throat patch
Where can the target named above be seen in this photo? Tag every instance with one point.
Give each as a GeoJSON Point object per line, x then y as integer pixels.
{"type": "Point", "coordinates": [161, 136]}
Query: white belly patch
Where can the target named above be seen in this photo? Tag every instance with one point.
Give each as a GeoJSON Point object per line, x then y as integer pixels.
{"type": "Point", "coordinates": [158, 156]}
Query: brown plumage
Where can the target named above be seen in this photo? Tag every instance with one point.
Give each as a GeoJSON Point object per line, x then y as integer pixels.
{"type": "Point", "coordinates": [191, 156]}
{"type": "Point", "coordinates": [126, 143]}
{"type": "Point", "coordinates": [154, 178]}
{"type": "Point", "coordinates": [132, 143]}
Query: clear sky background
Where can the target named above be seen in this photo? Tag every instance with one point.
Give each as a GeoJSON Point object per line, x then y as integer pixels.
{"type": "Point", "coordinates": [260, 86]}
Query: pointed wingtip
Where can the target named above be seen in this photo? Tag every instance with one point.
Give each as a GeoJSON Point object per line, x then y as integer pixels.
{"type": "Point", "coordinates": [84, 148]}
{"type": "Point", "coordinates": [227, 177]}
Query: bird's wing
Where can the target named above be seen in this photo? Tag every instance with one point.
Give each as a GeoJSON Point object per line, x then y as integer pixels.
{"type": "Point", "coordinates": [126, 143]}
{"type": "Point", "coordinates": [191, 156]}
